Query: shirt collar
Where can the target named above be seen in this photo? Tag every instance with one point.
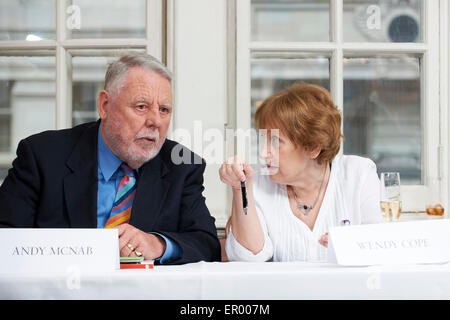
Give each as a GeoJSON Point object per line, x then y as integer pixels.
{"type": "Point", "coordinates": [107, 160]}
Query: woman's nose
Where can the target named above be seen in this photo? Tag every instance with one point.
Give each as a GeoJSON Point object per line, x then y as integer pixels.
{"type": "Point", "coordinates": [264, 153]}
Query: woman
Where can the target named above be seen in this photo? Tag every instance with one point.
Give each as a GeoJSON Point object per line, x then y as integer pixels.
{"type": "Point", "coordinates": [305, 187]}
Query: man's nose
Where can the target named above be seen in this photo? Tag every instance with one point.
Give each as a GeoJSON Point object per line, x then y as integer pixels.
{"type": "Point", "coordinates": [153, 117]}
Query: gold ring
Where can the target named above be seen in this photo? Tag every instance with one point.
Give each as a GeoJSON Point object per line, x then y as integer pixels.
{"type": "Point", "coordinates": [139, 254]}
{"type": "Point", "coordinates": [130, 247]}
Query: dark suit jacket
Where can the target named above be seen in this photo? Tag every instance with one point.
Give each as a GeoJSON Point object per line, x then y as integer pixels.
{"type": "Point", "coordinates": [53, 184]}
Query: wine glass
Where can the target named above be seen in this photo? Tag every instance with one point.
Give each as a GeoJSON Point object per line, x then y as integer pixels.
{"type": "Point", "coordinates": [391, 204]}
{"type": "Point", "coordinates": [433, 204]}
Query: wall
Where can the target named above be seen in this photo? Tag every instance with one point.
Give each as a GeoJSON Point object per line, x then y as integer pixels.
{"type": "Point", "coordinates": [200, 75]}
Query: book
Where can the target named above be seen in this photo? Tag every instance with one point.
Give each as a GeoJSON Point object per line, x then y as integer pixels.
{"type": "Point", "coordinates": [135, 263]}
{"type": "Point", "coordinates": [136, 266]}
{"type": "Point", "coordinates": [131, 260]}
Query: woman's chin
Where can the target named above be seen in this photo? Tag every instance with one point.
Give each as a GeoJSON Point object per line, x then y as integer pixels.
{"type": "Point", "coordinates": [273, 173]}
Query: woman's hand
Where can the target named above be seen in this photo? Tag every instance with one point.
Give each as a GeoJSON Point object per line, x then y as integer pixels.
{"type": "Point", "coordinates": [324, 240]}
{"type": "Point", "coordinates": [235, 170]}
{"type": "Point", "coordinates": [246, 226]}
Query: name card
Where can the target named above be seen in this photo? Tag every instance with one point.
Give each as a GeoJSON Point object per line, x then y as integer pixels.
{"type": "Point", "coordinates": [58, 250]}
{"type": "Point", "coordinates": [411, 242]}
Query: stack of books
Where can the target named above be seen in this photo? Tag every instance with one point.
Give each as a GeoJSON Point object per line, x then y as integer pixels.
{"type": "Point", "coordinates": [135, 263]}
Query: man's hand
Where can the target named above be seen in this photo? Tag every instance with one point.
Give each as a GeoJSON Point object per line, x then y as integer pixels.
{"type": "Point", "coordinates": [150, 245]}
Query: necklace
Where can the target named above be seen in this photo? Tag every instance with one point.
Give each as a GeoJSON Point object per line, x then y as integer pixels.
{"type": "Point", "coordinates": [306, 208]}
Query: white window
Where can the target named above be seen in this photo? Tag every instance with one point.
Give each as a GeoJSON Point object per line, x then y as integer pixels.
{"type": "Point", "coordinates": [389, 81]}
{"type": "Point", "coordinates": [53, 58]}
{"type": "Point", "coordinates": [381, 61]}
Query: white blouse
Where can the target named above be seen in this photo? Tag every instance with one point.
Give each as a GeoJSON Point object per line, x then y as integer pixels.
{"type": "Point", "coordinates": [353, 193]}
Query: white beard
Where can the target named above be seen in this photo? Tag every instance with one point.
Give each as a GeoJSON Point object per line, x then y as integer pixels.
{"type": "Point", "coordinates": [130, 153]}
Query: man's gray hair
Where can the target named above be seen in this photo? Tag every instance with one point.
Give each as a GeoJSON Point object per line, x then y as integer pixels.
{"type": "Point", "coordinates": [118, 69]}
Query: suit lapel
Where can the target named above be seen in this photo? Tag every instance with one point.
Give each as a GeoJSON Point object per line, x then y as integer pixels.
{"type": "Point", "coordinates": [151, 192]}
{"type": "Point", "coordinates": [80, 186]}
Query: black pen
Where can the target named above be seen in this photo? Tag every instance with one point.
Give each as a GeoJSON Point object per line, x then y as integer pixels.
{"type": "Point", "coordinates": [244, 197]}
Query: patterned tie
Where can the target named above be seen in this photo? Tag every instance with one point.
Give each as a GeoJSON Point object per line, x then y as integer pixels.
{"type": "Point", "coordinates": [121, 210]}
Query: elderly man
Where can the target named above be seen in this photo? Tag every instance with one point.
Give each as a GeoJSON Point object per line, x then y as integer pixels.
{"type": "Point", "coordinates": [117, 172]}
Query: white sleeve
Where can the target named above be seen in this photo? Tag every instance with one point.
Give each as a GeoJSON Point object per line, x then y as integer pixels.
{"type": "Point", "coordinates": [370, 197]}
{"type": "Point", "coordinates": [236, 252]}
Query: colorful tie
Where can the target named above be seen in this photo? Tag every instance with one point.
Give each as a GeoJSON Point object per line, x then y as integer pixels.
{"type": "Point", "coordinates": [121, 210]}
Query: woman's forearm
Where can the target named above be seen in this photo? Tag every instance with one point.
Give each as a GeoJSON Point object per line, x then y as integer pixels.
{"type": "Point", "coordinates": [246, 228]}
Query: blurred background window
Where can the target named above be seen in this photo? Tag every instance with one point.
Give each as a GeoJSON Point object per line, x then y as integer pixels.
{"type": "Point", "coordinates": [381, 106]}
{"type": "Point", "coordinates": [88, 79]}
{"type": "Point", "coordinates": [371, 56]}
{"type": "Point", "coordinates": [119, 19]}
{"type": "Point", "coordinates": [30, 20]}
{"type": "Point", "coordinates": [382, 21]}
{"type": "Point", "coordinates": [379, 59]}
{"type": "Point", "coordinates": [27, 101]}
{"type": "Point", "coordinates": [290, 20]}
{"type": "Point", "coordinates": [272, 75]}
{"type": "Point", "coordinates": [382, 114]}
{"type": "Point", "coordinates": [53, 59]}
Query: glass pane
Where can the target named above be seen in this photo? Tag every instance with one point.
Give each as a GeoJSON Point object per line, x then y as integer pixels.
{"type": "Point", "coordinates": [27, 19]}
{"type": "Point", "coordinates": [290, 20]}
{"type": "Point", "coordinates": [106, 19]}
{"type": "Point", "coordinates": [88, 79]}
{"type": "Point", "coordinates": [382, 21]}
{"type": "Point", "coordinates": [272, 75]}
{"type": "Point", "coordinates": [382, 113]}
{"type": "Point", "coordinates": [27, 102]}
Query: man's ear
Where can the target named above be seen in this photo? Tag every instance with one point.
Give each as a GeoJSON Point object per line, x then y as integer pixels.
{"type": "Point", "coordinates": [103, 103]}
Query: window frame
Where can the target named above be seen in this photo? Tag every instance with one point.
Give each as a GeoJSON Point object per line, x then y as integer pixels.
{"type": "Point", "coordinates": [434, 82]}
{"type": "Point", "coordinates": [154, 43]}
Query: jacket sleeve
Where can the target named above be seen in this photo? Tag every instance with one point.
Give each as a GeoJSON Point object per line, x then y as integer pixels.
{"type": "Point", "coordinates": [196, 234]}
{"type": "Point", "coordinates": [19, 193]}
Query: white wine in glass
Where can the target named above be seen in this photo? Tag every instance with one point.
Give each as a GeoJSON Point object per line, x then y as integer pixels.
{"type": "Point", "coordinates": [391, 204]}
{"type": "Point", "coordinates": [391, 210]}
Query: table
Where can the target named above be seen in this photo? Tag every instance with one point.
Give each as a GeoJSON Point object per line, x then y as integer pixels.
{"type": "Point", "coordinates": [238, 280]}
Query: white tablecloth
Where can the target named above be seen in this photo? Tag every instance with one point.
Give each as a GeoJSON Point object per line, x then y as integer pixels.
{"type": "Point", "coordinates": [238, 280]}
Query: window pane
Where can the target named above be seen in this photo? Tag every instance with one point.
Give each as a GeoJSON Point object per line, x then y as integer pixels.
{"type": "Point", "coordinates": [272, 75]}
{"type": "Point", "coordinates": [290, 20]}
{"type": "Point", "coordinates": [27, 19]}
{"type": "Point", "coordinates": [382, 21]}
{"type": "Point", "coordinates": [382, 113]}
{"type": "Point", "coordinates": [27, 102]}
{"type": "Point", "coordinates": [88, 80]}
{"type": "Point", "coordinates": [106, 19]}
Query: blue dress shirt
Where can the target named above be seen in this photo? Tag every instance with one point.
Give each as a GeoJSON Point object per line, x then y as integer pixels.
{"type": "Point", "coordinates": [108, 181]}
